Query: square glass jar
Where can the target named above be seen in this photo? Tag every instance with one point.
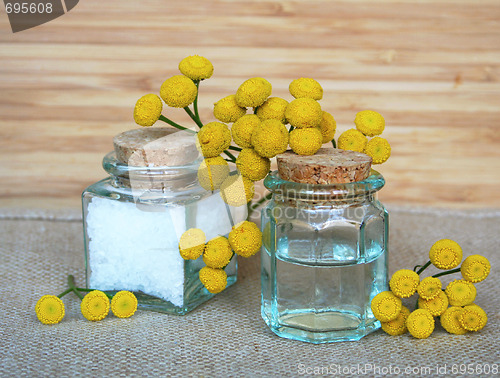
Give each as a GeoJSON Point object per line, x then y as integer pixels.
{"type": "Point", "coordinates": [132, 224]}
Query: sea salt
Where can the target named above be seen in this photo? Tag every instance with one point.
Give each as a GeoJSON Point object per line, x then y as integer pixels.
{"type": "Point", "coordinates": [133, 249]}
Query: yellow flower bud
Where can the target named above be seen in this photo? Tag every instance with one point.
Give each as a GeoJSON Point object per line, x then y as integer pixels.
{"type": "Point", "coordinates": [196, 67]}
{"type": "Point", "coordinates": [306, 87]}
{"type": "Point", "coordinates": [253, 92]}
{"type": "Point", "coordinates": [370, 123]}
{"type": "Point", "coordinates": [304, 112]}
{"type": "Point", "coordinates": [305, 141]}
{"type": "Point", "coordinates": [270, 138]}
{"type": "Point", "coordinates": [147, 110]}
{"type": "Point", "coordinates": [178, 91]}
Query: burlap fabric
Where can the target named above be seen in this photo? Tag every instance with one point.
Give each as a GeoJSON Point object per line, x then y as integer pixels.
{"type": "Point", "coordinates": [226, 336]}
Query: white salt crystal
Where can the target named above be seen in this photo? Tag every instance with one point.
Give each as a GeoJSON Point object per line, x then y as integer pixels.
{"type": "Point", "coordinates": [133, 249]}
{"type": "Point", "coordinates": [137, 250]}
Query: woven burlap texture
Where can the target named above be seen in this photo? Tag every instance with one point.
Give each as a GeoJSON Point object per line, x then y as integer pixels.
{"type": "Point", "coordinates": [226, 336]}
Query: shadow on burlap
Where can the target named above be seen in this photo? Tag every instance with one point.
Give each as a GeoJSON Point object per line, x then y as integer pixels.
{"type": "Point", "coordinates": [225, 336]}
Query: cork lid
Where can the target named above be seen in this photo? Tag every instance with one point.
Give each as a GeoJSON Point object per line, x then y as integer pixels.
{"type": "Point", "coordinates": [155, 146]}
{"type": "Point", "coordinates": [327, 166]}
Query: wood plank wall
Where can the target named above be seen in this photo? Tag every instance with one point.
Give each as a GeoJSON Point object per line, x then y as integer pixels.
{"type": "Point", "coordinates": [432, 68]}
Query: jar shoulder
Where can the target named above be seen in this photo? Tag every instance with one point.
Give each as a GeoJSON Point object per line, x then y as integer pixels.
{"type": "Point", "coordinates": [368, 208]}
{"type": "Point", "coordinates": [106, 188]}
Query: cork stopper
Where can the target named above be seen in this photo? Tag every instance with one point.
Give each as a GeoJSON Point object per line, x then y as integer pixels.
{"type": "Point", "coordinates": [155, 146]}
{"type": "Point", "coordinates": [327, 166]}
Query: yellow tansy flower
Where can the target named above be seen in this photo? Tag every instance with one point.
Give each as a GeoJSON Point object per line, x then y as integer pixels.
{"type": "Point", "coordinates": [473, 318]}
{"type": "Point", "coordinates": [95, 306]}
{"type": "Point", "coordinates": [460, 292]}
{"type": "Point", "coordinates": [304, 112]}
{"type": "Point", "coordinates": [237, 190]}
{"type": "Point", "coordinates": [305, 141]}
{"type": "Point", "coordinates": [270, 138]}
{"type": "Point", "coordinates": [404, 283]}
{"type": "Point", "coordinates": [217, 252]}
{"type": "Point", "coordinates": [49, 309]}
{"type": "Point", "coordinates": [475, 268]}
{"type": "Point", "coordinates": [397, 326]}
{"type": "Point", "coordinates": [353, 140]}
{"type": "Point", "coordinates": [445, 254]}
{"type": "Point", "coordinates": [450, 320]}
{"type": "Point", "coordinates": [124, 304]}
{"type": "Point", "coordinates": [243, 128]}
{"type": "Point", "coordinates": [378, 149]}
{"type": "Point", "coordinates": [196, 67]}
{"type": "Point", "coordinates": [214, 138]}
{"type": "Point", "coordinates": [245, 239]}
{"type": "Point", "coordinates": [215, 280]}
{"type": "Point", "coordinates": [253, 92]}
{"type": "Point", "coordinates": [273, 108]}
{"type": "Point", "coordinates": [212, 172]}
{"type": "Point", "coordinates": [178, 91]}
{"type": "Point", "coordinates": [147, 110]}
{"type": "Point", "coordinates": [306, 87]}
{"type": "Point", "coordinates": [369, 122]}
{"type": "Point", "coordinates": [386, 306]}
{"type": "Point", "coordinates": [420, 323]}
{"type": "Point", "coordinates": [429, 287]}
{"type": "Point", "coordinates": [192, 244]}
{"type": "Point", "coordinates": [252, 165]}
{"type": "Point", "coordinates": [227, 110]}
{"type": "Point", "coordinates": [436, 305]}
{"type": "Point", "coordinates": [327, 126]}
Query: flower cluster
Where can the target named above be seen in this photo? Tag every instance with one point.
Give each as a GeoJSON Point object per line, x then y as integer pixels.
{"type": "Point", "coordinates": [368, 124]}
{"type": "Point", "coordinates": [274, 126]}
{"type": "Point", "coordinates": [265, 132]}
{"type": "Point", "coordinates": [245, 239]}
{"type": "Point", "coordinates": [454, 306]}
{"type": "Point", "coordinates": [271, 126]}
{"type": "Point", "coordinates": [95, 305]}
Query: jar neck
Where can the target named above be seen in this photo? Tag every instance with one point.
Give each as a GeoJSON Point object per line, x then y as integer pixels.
{"type": "Point", "coordinates": [153, 178]}
{"type": "Point", "coordinates": [293, 193]}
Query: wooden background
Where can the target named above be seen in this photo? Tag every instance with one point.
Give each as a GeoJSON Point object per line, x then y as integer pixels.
{"type": "Point", "coordinates": [432, 68]}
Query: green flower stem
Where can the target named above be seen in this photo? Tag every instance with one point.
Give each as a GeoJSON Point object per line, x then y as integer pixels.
{"type": "Point", "coordinates": [234, 148]}
{"type": "Point", "coordinates": [249, 209]}
{"type": "Point", "coordinates": [224, 267]}
{"type": "Point", "coordinates": [176, 125]}
{"type": "Point", "coordinates": [230, 155]}
{"type": "Point", "coordinates": [451, 271]}
{"type": "Point", "coordinates": [64, 293]}
{"type": "Point", "coordinates": [193, 117]}
{"type": "Point", "coordinates": [76, 290]}
{"type": "Point", "coordinates": [267, 197]}
{"type": "Point", "coordinates": [424, 267]}
{"type": "Point", "coordinates": [195, 104]}
{"type": "Point", "coordinates": [85, 290]}
{"type": "Point", "coordinates": [71, 284]}
{"type": "Point", "coordinates": [252, 207]}
{"type": "Point", "coordinates": [334, 144]}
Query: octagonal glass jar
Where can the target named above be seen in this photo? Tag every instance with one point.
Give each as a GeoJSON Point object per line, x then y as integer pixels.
{"type": "Point", "coordinates": [324, 258]}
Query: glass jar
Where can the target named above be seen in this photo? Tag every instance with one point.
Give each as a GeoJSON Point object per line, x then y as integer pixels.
{"type": "Point", "coordinates": [324, 258]}
{"type": "Point", "coordinates": [132, 224]}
